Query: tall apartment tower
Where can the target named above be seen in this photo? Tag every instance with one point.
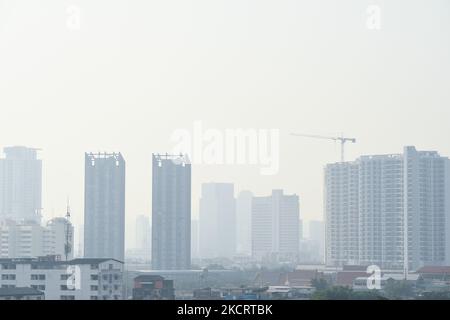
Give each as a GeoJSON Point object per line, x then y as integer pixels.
{"type": "Point", "coordinates": [341, 213]}
{"type": "Point", "coordinates": [171, 212]}
{"type": "Point", "coordinates": [20, 184]}
{"type": "Point", "coordinates": [275, 226]}
{"type": "Point", "coordinates": [401, 208]}
{"type": "Point", "coordinates": [104, 206]}
{"type": "Point", "coordinates": [217, 221]}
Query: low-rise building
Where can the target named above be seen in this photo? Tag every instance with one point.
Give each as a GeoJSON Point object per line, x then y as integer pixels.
{"type": "Point", "coordinates": [153, 287]}
{"type": "Point", "coordinates": [78, 279]}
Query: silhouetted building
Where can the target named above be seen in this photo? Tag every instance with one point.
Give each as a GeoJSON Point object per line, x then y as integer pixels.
{"type": "Point", "coordinates": [20, 184]}
{"type": "Point", "coordinates": [104, 206]}
{"type": "Point", "coordinates": [153, 287]}
{"type": "Point", "coordinates": [171, 212]}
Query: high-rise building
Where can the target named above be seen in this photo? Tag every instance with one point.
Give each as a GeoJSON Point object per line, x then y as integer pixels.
{"type": "Point", "coordinates": [275, 226]}
{"type": "Point", "coordinates": [104, 206]}
{"type": "Point", "coordinates": [20, 184]}
{"type": "Point", "coordinates": [317, 237]}
{"type": "Point", "coordinates": [217, 221]}
{"type": "Point", "coordinates": [171, 212]}
{"type": "Point", "coordinates": [195, 239]}
{"type": "Point", "coordinates": [384, 200]}
{"type": "Point", "coordinates": [28, 239]}
{"type": "Point", "coordinates": [244, 223]}
{"type": "Point", "coordinates": [341, 211]}
{"type": "Point", "coordinates": [143, 236]}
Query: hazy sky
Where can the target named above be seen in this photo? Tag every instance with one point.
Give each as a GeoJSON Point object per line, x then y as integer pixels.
{"type": "Point", "coordinates": [137, 70]}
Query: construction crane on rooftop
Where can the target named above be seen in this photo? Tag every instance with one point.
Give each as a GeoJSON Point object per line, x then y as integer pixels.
{"type": "Point", "coordinates": [341, 139]}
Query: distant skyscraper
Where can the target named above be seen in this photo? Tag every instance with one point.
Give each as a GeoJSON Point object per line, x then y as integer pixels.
{"type": "Point", "coordinates": [275, 226]}
{"type": "Point", "coordinates": [194, 239]}
{"type": "Point", "coordinates": [217, 220]}
{"type": "Point", "coordinates": [317, 237]}
{"type": "Point", "coordinates": [143, 236]}
{"type": "Point", "coordinates": [342, 215]}
{"type": "Point", "coordinates": [104, 206]}
{"type": "Point", "coordinates": [375, 203]}
{"type": "Point", "coordinates": [244, 223]}
{"type": "Point", "coordinates": [20, 184]}
{"type": "Point", "coordinates": [171, 212]}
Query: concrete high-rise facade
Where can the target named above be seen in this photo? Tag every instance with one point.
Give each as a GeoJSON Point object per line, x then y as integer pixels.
{"type": "Point", "coordinates": [341, 213]}
{"type": "Point", "coordinates": [195, 253]}
{"type": "Point", "coordinates": [217, 221]}
{"type": "Point", "coordinates": [20, 184]}
{"type": "Point", "coordinates": [399, 199]}
{"type": "Point", "coordinates": [275, 226]}
{"type": "Point", "coordinates": [244, 223]}
{"type": "Point", "coordinates": [171, 212]}
{"type": "Point", "coordinates": [104, 206]}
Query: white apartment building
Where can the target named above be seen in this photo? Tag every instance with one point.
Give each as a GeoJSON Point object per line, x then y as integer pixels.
{"type": "Point", "coordinates": [78, 279]}
{"type": "Point", "coordinates": [275, 226]}
{"type": "Point", "coordinates": [377, 204]}
{"type": "Point", "coordinates": [28, 239]}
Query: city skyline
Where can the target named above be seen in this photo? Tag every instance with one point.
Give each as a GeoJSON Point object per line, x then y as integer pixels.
{"type": "Point", "coordinates": [311, 67]}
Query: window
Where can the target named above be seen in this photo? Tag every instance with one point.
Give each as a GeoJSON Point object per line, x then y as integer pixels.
{"type": "Point", "coordinates": [8, 277]}
{"type": "Point", "coordinates": [94, 266]}
{"type": "Point", "coordinates": [65, 276]}
{"type": "Point", "coordinates": [38, 287]}
{"type": "Point", "coordinates": [94, 298]}
{"type": "Point", "coordinates": [94, 276]}
{"type": "Point", "coordinates": [105, 287]}
{"type": "Point", "coordinates": [38, 277]}
{"type": "Point", "coordinates": [94, 288]}
{"type": "Point", "coordinates": [105, 277]}
{"type": "Point", "coordinates": [64, 287]}
{"type": "Point", "coordinates": [8, 266]}
{"type": "Point", "coordinates": [67, 297]}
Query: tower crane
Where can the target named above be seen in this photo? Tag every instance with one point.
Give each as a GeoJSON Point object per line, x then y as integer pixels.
{"type": "Point", "coordinates": [341, 139]}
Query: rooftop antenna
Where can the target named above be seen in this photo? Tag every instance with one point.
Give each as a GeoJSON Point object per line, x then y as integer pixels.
{"type": "Point", "coordinates": [67, 245]}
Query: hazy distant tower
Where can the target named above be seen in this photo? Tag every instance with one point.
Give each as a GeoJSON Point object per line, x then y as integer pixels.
{"type": "Point", "coordinates": [171, 212]}
{"type": "Point", "coordinates": [20, 184]}
{"type": "Point", "coordinates": [217, 220]}
{"type": "Point", "coordinates": [275, 226]}
{"type": "Point", "coordinates": [104, 206]}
